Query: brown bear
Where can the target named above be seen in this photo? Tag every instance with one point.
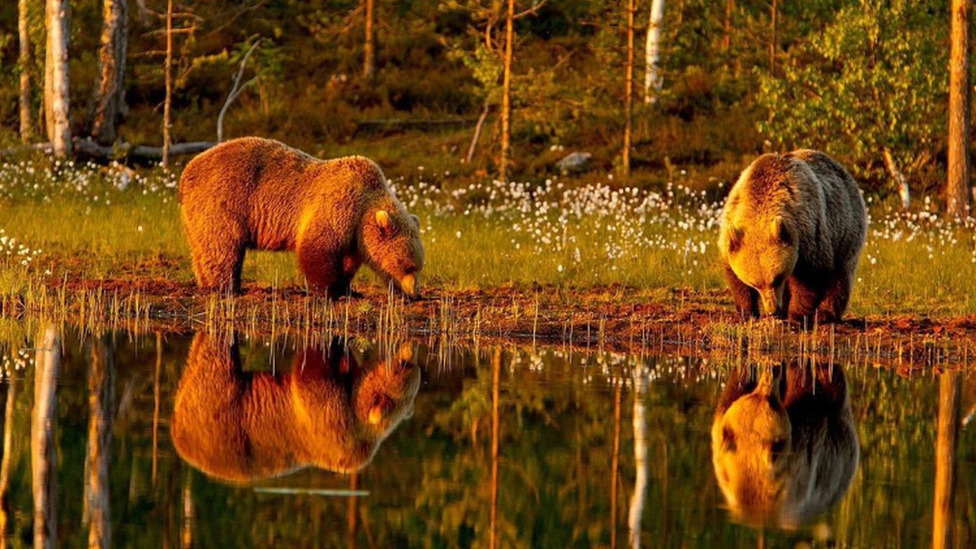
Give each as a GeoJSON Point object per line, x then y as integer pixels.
{"type": "Point", "coordinates": [327, 411]}
{"type": "Point", "coordinates": [253, 193]}
{"type": "Point", "coordinates": [784, 446]}
{"type": "Point", "coordinates": [792, 232]}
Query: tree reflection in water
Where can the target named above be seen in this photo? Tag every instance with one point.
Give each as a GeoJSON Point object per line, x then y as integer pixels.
{"type": "Point", "coordinates": [43, 444]}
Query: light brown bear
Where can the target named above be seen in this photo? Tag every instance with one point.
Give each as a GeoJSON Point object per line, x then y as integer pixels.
{"type": "Point", "coordinates": [327, 412]}
{"type": "Point", "coordinates": [784, 446]}
{"type": "Point", "coordinates": [792, 232]}
{"type": "Point", "coordinates": [253, 193]}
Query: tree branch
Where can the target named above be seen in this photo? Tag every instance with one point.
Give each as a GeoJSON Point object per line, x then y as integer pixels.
{"type": "Point", "coordinates": [235, 90]}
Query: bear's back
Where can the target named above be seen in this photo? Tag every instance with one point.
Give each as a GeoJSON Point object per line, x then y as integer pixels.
{"type": "Point", "coordinates": [240, 167]}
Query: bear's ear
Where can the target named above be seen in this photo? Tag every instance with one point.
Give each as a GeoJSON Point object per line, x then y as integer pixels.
{"type": "Point", "coordinates": [781, 231]}
{"type": "Point", "coordinates": [735, 239]}
{"type": "Point", "coordinates": [383, 220]}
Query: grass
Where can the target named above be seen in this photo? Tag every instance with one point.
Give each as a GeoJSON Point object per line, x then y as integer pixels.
{"type": "Point", "coordinates": [478, 235]}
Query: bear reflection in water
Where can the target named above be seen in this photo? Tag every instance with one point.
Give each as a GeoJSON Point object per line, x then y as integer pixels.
{"type": "Point", "coordinates": [327, 411]}
{"type": "Point", "coordinates": [784, 443]}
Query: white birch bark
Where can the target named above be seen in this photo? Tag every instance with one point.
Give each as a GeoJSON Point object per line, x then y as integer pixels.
{"type": "Point", "coordinates": [43, 443]}
{"type": "Point", "coordinates": [652, 52]}
{"type": "Point", "coordinates": [56, 77]}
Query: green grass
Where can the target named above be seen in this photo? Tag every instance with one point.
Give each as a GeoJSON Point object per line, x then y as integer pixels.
{"type": "Point", "coordinates": [486, 237]}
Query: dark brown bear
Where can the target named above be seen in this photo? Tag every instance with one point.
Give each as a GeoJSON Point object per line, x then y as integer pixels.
{"type": "Point", "coordinates": [792, 232]}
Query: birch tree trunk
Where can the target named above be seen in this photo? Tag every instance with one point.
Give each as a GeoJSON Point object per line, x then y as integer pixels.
{"type": "Point", "coordinates": [25, 62]}
{"type": "Point", "coordinates": [503, 165]}
{"type": "Point", "coordinates": [108, 101]}
{"type": "Point", "coordinates": [957, 196]}
{"type": "Point", "coordinates": [168, 70]}
{"type": "Point", "coordinates": [56, 78]}
{"type": "Point", "coordinates": [369, 50]}
{"type": "Point", "coordinates": [101, 395]}
{"type": "Point", "coordinates": [652, 53]}
{"type": "Point", "coordinates": [44, 457]}
{"type": "Point", "coordinates": [629, 91]}
{"type": "Point", "coordinates": [636, 511]}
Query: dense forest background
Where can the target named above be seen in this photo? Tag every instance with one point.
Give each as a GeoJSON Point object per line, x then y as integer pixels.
{"type": "Point", "coordinates": [865, 80]}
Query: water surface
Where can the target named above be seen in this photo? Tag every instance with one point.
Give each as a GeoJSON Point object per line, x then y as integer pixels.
{"type": "Point", "coordinates": [225, 441]}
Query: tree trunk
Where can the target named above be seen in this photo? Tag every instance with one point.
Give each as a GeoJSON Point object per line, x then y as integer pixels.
{"type": "Point", "coordinates": [43, 444]}
{"type": "Point", "coordinates": [652, 52]}
{"type": "Point", "coordinates": [108, 101]}
{"type": "Point", "coordinates": [628, 91]}
{"type": "Point", "coordinates": [496, 368]}
{"type": "Point", "coordinates": [56, 77]}
{"type": "Point", "coordinates": [25, 63]}
{"type": "Point", "coordinates": [168, 70]}
{"type": "Point", "coordinates": [189, 512]}
{"type": "Point", "coordinates": [503, 166]}
{"type": "Point", "coordinates": [727, 25]}
{"type": "Point", "coordinates": [945, 459]}
{"type": "Point", "coordinates": [639, 496]}
{"type": "Point", "coordinates": [7, 461]}
{"type": "Point", "coordinates": [101, 390]}
{"type": "Point", "coordinates": [615, 467]}
{"type": "Point", "coordinates": [957, 197]}
{"type": "Point", "coordinates": [904, 193]}
{"type": "Point", "coordinates": [477, 133]}
{"type": "Point", "coordinates": [773, 16]}
{"type": "Point", "coordinates": [369, 50]}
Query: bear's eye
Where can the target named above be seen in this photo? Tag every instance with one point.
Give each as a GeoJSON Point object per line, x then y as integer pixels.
{"type": "Point", "coordinates": [410, 269]}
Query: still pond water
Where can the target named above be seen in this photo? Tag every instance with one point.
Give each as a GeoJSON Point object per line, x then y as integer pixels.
{"type": "Point", "coordinates": [202, 441]}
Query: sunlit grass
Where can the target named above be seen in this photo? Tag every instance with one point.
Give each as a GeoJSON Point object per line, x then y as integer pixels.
{"type": "Point", "coordinates": [480, 236]}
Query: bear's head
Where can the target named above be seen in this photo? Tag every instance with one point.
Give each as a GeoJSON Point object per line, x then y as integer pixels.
{"type": "Point", "coordinates": [391, 238]}
{"type": "Point", "coordinates": [759, 237]}
{"type": "Point", "coordinates": [750, 439]}
{"type": "Point", "coordinates": [384, 395]}
{"type": "Point", "coordinates": [342, 431]}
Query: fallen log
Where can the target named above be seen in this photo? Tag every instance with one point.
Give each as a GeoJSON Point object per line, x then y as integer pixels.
{"type": "Point", "coordinates": [119, 151]}
{"type": "Point", "coordinates": [138, 152]}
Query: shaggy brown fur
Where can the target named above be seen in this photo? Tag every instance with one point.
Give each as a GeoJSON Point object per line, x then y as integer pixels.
{"type": "Point", "coordinates": [784, 447]}
{"type": "Point", "coordinates": [327, 412]}
{"type": "Point", "coordinates": [254, 193]}
{"type": "Point", "coordinates": [792, 233]}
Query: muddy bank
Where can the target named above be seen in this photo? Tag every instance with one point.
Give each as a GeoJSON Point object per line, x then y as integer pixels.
{"type": "Point", "coordinates": [611, 318]}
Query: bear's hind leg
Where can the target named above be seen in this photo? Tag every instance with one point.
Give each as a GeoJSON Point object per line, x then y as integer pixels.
{"type": "Point", "coordinates": [803, 302]}
{"type": "Point", "coordinates": [835, 302]}
{"type": "Point", "coordinates": [746, 299]}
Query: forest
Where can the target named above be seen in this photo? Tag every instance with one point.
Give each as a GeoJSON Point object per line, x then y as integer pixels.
{"type": "Point", "coordinates": [690, 90]}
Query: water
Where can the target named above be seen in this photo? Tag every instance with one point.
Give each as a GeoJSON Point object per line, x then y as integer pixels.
{"type": "Point", "coordinates": [200, 441]}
